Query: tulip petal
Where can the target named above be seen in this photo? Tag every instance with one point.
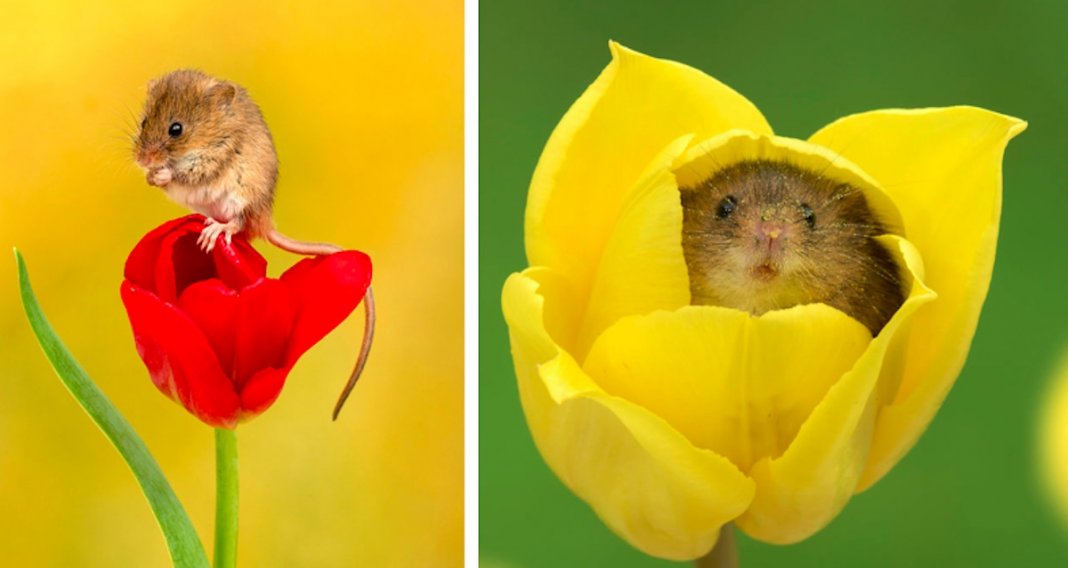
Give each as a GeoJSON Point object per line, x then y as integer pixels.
{"type": "Point", "coordinates": [261, 391]}
{"type": "Point", "coordinates": [327, 289]}
{"type": "Point", "coordinates": [644, 479]}
{"type": "Point", "coordinates": [799, 492]}
{"type": "Point", "coordinates": [943, 169]}
{"type": "Point", "coordinates": [179, 358]}
{"type": "Point", "coordinates": [266, 312]}
{"type": "Point", "coordinates": [140, 265]}
{"type": "Point", "coordinates": [637, 106]}
{"type": "Point", "coordinates": [213, 306]}
{"type": "Point", "coordinates": [707, 157]}
{"type": "Point", "coordinates": [180, 263]}
{"type": "Point", "coordinates": [733, 383]}
{"type": "Point", "coordinates": [642, 268]}
{"type": "Point", "coordinates": [238, 264]}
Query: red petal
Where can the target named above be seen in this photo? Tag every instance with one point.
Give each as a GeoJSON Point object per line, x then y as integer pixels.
{"type": "Point", "coordinates": [181, 263]}
{"type": "Point", "coordinates": [327, 289]}
{"type": "Point", "coordinates": [238, 264]}
{"type": "Point", "coordinates": [261, 391]}
{"type": "Point", "coordinates": [264, 323]}
{"type": "Point", "coordinates": [179, 358]}
{"type": "Point", "coordinates": [141, 263]}
{"type": "Point", "coordinates": [168, 259]}
{"type": "Point", "coordinates": [213, 306]}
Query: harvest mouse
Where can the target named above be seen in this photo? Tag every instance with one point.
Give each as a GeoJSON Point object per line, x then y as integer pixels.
{"type": "Point", "coordinates": [204, 142]}
{"type": "Point", "coordinates": [763, 235]}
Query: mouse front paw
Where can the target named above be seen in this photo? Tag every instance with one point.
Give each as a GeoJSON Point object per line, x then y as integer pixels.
{"type": "Point", "coordinates": [159, 177]}
{"type": "Point", "coordinates": [210, 234]}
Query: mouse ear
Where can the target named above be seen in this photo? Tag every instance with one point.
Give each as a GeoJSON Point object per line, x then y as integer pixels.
{"type": "Point", "coordinates": [222, 93]}
{"type": "Point", "coordinates": [151, 85]}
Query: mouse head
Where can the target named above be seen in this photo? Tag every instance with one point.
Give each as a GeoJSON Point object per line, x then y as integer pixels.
{"type": "Point", "coordinates": [187, 129]}
{"type": "Point", "coordinates": [762, 235]}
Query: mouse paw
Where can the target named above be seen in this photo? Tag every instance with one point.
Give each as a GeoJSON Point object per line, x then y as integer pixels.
{"type": "Point", "coordinates": [210, 234]}
{"type": "Point", "coordinates": [160, 177]}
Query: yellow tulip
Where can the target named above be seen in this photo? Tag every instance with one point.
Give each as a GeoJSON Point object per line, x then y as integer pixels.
{"type": "Point", "coordinates": [1053, 440]}
{"type": "Point", "coordinates": [672, 420]}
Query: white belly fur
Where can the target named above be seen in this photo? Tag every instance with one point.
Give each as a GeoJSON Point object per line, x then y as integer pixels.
{"type": "Point", "coordinates": [217, 202]}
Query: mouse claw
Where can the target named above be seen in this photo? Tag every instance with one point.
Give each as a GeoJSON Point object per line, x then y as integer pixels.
{"type": "Point", "coordinates": [211, 231]}
{"type": "Point", "coordinates": [208, 236]}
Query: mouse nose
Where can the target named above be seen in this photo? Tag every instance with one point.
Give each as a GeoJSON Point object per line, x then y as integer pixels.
{"type": "Point", "coordinates": [770, 235]}
{"type": "Point", "coordinates": [147, 158]}
{"type": "Point", "coordinates": [771, 230]}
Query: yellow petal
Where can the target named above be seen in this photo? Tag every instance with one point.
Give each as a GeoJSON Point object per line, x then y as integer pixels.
{"type": "Point", "coordinates": [646, 481]}
{"type": "Point", "coordinates": [801, 491]}
{"type": "Point", "coordinates": [636, 107]}
{"type": "Point", "coordinates": [707, 157]}
{"type": "Point", "coordinates": [943, 169]}
{"type": "Point", "coordinates": [642, 268]}
{"type": "Point", "coordinates": [734, 383]}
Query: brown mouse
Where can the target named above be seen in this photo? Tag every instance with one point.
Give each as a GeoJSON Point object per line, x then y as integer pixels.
{"type": "Point", "coordinates": [205, 143]}
{"type": "Point", "coordinates": [762, 235]}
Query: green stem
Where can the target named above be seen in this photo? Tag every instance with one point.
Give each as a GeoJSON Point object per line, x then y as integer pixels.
{"type": "Point", "coordinates": [724, 554]}
{"type": "Point", "coordinates": [225, 498]}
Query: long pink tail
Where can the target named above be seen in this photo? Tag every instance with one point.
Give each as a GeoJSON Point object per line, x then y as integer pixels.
{"type": "Point", "coordinates": [300, 247]}
{"type": "Point", "coordinates": [314, 249]}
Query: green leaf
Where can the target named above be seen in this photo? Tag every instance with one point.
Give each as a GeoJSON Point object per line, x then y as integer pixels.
{"type": "Point", "coordinates": [186, 549]}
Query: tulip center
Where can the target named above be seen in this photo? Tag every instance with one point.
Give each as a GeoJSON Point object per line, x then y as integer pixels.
{"type": "Point", "coordinates": [763, 235]}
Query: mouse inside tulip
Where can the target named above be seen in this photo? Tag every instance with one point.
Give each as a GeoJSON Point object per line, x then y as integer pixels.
{"type": "Point", "coordinates": [762, 235]}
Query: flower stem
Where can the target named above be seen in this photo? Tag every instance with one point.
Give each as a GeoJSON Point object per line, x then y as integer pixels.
{"type": "Point", "coordinates": [225, 498]}
{"type": "Point", "coordinates": [724, 554]}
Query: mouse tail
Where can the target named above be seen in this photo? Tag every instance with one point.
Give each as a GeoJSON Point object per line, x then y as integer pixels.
{"type": "Point", "coordinates": [365, 349]}
{"type": "Point", "coordinates": [276, 238]}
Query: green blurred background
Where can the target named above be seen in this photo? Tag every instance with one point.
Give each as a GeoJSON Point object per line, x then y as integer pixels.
{"type": "Point", "coordinates": [365, 101]}
{"type": "Point", "coordinates": [969, 494]}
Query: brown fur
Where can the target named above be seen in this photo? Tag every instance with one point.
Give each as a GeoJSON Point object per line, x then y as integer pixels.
{"type": "Point", "coordinates": [733, 263]}
{"type": "Point", "coordinates": [225, 147]}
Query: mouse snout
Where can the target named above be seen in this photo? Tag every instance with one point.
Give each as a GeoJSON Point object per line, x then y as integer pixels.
{"type": "Point", "coordinates": [150, 156]}
{"type": "Point", "coordinates": [770, 236]}
{"type": "Point", "coordinates": [147, 160]}
{"type": "Point", "coordinates": [771, 230]}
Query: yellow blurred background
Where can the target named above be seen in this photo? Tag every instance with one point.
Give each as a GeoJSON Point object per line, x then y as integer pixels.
{"type": "Point", "coordinates": [365, 103]}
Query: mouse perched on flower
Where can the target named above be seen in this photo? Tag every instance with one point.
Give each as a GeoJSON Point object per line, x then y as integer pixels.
{"type": "Point", "coordinates": [721, 327]}
{"type": "Point", "coordinates": [205, 143]}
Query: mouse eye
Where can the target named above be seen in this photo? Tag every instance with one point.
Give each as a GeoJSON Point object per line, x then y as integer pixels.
{"type": "Point", "coordinates": [175, 130]}
{"type": "Point", "coordinates": [808, 215]}
{"type": "Point", "coordinates": [726, 207]}
{"type": "Point", "coordinates": [144, 123]}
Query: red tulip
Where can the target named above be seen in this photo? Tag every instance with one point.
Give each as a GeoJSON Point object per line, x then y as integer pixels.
{"type": "Point", "coordinates": [217, 335]}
